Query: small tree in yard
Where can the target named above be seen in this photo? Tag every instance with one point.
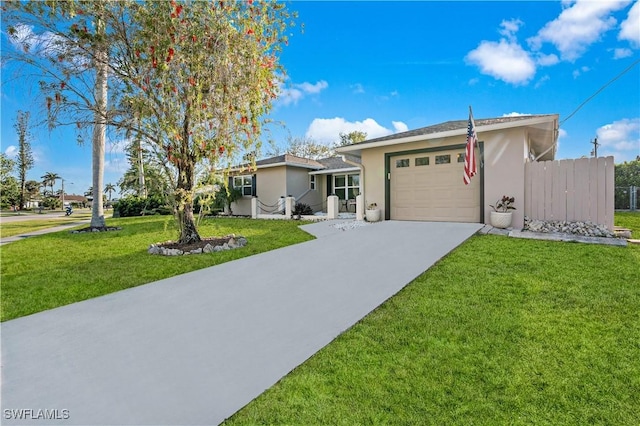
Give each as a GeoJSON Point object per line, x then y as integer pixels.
{"type": "Point", "coordinates": [202, 76]}
{"type": "Point", "coordinates": [191, 78]}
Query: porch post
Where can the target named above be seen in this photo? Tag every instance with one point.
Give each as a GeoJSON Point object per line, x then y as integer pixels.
{"type": "Point", "coordinates": [281, 205]}
{"type": "Point", "coordinates": [332, 206]}
{"type": "Point", "coordinates": [359, 207]}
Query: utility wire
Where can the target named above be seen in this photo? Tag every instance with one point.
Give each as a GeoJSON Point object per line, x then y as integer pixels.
{"type": "Point", "coordinates": [598, 91]}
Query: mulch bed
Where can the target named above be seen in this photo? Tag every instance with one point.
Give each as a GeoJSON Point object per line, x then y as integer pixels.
{"type": "Point", "coordinates": [213, 241]}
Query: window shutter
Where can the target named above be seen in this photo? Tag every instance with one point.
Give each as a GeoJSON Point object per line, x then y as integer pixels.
{"type": "Point", "coordinates": [254, 192]}
{"type": "Point", "coordinates": [329, 184]}
{"type": "Point", "coordinates": [230, 182]}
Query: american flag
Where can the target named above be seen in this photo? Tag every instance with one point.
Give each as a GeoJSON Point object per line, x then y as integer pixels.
{"type": "Point", "coordinates": [470, 151]}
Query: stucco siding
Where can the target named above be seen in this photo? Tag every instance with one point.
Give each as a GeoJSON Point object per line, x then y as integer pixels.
{"type": "Point", "coordinates": [270, 186]}
{"type": "Point", "coordinates": [298, 187]}
{"type": "Point", "coordinates": [242, 207]}
{"type": "Point", "coordinates": [504, 157]}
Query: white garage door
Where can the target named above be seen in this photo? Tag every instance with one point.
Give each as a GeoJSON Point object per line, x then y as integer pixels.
{"type": "Point", "coordinates": [429, 187]}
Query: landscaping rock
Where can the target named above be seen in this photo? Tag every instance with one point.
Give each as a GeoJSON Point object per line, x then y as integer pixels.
{"type": "Point", "coordinates": [587, 229]}
{"type": "Point", "coordinates": [207, 245]}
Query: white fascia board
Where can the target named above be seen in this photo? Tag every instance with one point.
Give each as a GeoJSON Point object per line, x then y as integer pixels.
{"type": "Point", "coordinates": [302, 166]}
{"type": "Point", "coordinates": [449, 133]}
{"type": "Point", "coordinates": [333, 171]}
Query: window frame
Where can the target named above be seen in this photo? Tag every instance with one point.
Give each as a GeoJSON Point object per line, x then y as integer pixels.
{"type": "Point", "coordinates": [347, 187]}
{"type": "Point", "coordinates": [244, 185]}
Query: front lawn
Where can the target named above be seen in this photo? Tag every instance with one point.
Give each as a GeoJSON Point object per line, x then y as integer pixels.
{"type": "Point", "coordinates": [501, 331]}
{"type": "Point", "coordinates": [52, 270]}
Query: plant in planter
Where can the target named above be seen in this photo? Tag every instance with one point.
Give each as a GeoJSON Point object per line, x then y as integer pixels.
{"type": "Point", "coordinates": [501, 215]}
{"type": "Point", "coordinates": [372, 214]}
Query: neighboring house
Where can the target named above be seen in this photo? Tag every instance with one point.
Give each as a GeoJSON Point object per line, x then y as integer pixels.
{"type": "Point", "coordinates": [417, 175]}
{"type": "Point", "coordinates": [309, 181]}
{"type": "Point", "coordinates": [75, 200]}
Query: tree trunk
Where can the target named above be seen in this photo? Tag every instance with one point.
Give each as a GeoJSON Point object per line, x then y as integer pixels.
{"type": "Point", "coordinates": [99, 130]}
{"type": "Point", "coordinates": [184, 202]}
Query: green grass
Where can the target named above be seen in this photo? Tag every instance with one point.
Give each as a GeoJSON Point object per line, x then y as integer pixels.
{"type": "Point", "coordinates": [9, 229]}
{"type": "Point", "coordinates": [500, 332]}
{"type": "Point", "coordinates": [629, 220]}
{"type": "Point", "coordinates": [56, 269]}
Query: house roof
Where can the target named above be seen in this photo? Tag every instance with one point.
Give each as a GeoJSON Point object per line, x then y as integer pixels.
{"type": "Point", "coordinates": [73, 197]}
{"type": "Point", "coordinates": [542, 131]}
{"type": "Point", "coordinates": [289, 160]}
{"type": "Point", "coordinates": [321, 166]}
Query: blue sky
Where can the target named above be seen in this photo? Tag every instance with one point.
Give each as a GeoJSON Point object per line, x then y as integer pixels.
{"type": "Point", "coordinates": [387, 67]}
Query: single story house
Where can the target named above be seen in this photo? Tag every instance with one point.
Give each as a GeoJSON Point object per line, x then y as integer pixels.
{"type": "Point", "coordinates": [417, 175]}
{"type": "Point", "coordinates": [309, 181]}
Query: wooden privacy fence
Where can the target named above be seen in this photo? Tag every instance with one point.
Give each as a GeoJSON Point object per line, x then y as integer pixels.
{"type": "Point", "coordinates": [571, 190]}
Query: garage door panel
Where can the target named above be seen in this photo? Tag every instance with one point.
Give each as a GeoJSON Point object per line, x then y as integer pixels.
{"type": "Point", "coordinates": [433, 192]}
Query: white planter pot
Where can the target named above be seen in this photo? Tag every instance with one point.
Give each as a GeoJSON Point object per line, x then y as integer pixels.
{"type": "Point", "coordinates": [372, 215]}
{"type": "Point", "coordinates": [501, 220]}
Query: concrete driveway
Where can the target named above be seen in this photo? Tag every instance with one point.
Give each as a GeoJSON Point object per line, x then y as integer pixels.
{"type": "Point", "coordinates": [193, 349]}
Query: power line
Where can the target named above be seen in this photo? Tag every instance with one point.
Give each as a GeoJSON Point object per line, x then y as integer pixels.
{"type": "Point", "coordinates": [599, 90]}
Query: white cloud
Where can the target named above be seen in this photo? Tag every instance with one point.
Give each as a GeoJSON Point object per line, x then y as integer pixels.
{"type": "Point", "coordinates": [622, 53]}
{"type": "Point", "coordinates": [399, 126]}
{"type": "Point", "coordinates": [11, 151]}
{"type": "Point", "coordinates": [313, 88]}
{"type": "Point", "coordinates": [118, 146]}
{"type": "Point", "coordinates": [357, 88]}
{"type": "Point", "coordinates": [510, 28]}
{"type": "Point", "coordinates": [46, 44]}
{"type": "Point", "coordinates": [579, 25]}
{"type": "Point", "coordinates": [583, 69]}
{"type": "Point", "coordinates": [630, 28]}
{"type": "Point", "coordinates": [504, 60]}
{"type": "Point", "coordinates": [542, 80]}
{"type": "Point", "coordinates": [515, 114]}
{"type": "Point", "coordinates": [620, 139]}
{"type": "Point", "coordinates": [546, 60]}
{"type": "Point", "coordinates": [291, 95]}
{"type": "Point", "coordinates": [327, 130]}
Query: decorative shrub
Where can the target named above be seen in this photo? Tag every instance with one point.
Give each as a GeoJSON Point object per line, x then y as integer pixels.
{"type": "Point", "coordinates": [302, 209]}
{"type": "Point", "coordinates": [132, 205]}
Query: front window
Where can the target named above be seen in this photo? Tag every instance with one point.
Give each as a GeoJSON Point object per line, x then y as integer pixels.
{"type": "Point", "coordinates": [243, 183]}
{"type": "Point", "coordinates": [347, 186]}
{"type": "Point", "coordinates": [312, 182]}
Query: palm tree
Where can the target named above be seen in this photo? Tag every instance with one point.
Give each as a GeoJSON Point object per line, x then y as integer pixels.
{"type": "Point", "coordinates": [109, 188]}
{"type": "Point", "coordinates": [50, 178]}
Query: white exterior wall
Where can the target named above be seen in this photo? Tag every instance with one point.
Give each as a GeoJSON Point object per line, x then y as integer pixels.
{"type": "Point", "coordinates": [271, 185]}
{"type": "Point", "coordinates": [242, 206]}
{"type": "Point", "coordinates": [505, 156]}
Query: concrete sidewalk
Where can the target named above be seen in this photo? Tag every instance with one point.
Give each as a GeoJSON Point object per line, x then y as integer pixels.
{"type": "Point", "coordinates": [195, 348]}
{"type": "Point", "coordinates": [5, 240]}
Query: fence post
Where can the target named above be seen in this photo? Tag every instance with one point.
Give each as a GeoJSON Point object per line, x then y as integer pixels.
{"type": "Point", "coordinates": [281, 206]}
{"type": "Point", "coordinates": [290, 206]}
{"type": "Point", "coordinates": [332, 207]}
{"type": "Point", "coordinates": [254, 208]}
{"type": "Point", "coordinates": [633, 198]}
{"type": "Point", "coordinates": [359, 207]}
